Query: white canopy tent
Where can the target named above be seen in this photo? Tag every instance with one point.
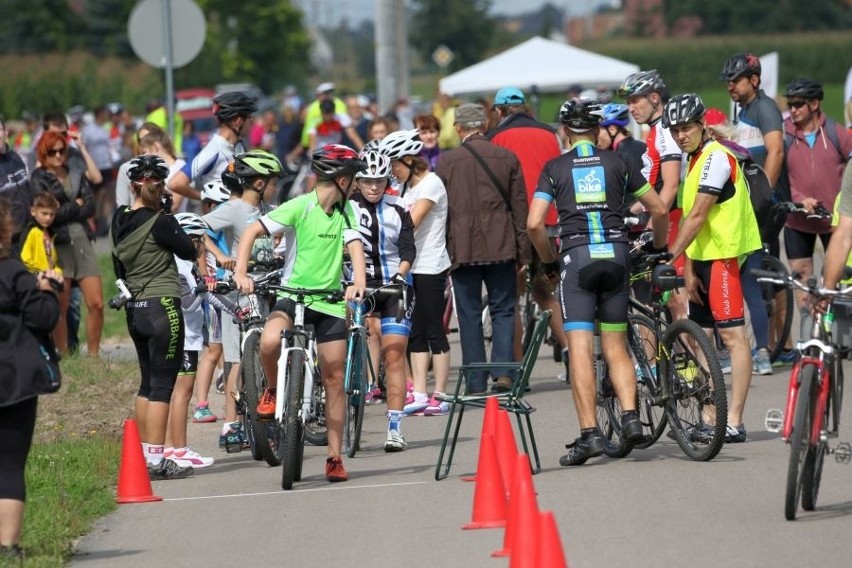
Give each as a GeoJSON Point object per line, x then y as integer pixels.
{"type": "Point", "coordinates": [548, 65]}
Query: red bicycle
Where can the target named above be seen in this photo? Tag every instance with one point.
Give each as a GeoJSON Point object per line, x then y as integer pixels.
{"type": "Point", "coordinates": [814, 398]}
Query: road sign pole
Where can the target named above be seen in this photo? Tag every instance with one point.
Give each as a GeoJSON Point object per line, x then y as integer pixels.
{"type": "Point", "coordinates": [167, 65]}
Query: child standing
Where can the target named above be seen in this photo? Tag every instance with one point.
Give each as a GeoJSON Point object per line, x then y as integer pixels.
{"type": "Point", "coordinates": [193, 317]}
{"type": "Point", "coordinates": [37, 251]}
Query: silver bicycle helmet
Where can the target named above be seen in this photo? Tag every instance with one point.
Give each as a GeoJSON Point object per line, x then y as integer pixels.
{"type": "Point", "coordinates": [378, 166]}
{"type": "Point", "coordinates": [401, 143]}
{"type": "Point", "coordinates": [192, 224]}
{"type": "Point", "coordinates": [215, 191]}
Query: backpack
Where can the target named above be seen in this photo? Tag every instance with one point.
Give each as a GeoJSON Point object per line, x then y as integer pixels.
{"type": "Point", "coordinates": [759, 192]}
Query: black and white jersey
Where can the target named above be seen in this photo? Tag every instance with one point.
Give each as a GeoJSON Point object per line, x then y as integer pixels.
{"type": "Point", "coordinates": [387, 233]}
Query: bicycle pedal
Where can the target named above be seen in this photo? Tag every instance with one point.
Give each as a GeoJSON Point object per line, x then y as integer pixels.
{"type": "Point", "coordinates": [843, 452]}
{"type": "Point", "coordinates": [774, 420]}
{"type": "Point", "coordinates": [235, 395]}
{"type": "Point", "coordinates": [233, 448]}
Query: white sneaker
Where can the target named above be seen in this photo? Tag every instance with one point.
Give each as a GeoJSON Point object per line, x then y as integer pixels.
{"type": "Point", "coordinates": [395, 442]}
{"type": "Point", "coordinates": [192, 459]}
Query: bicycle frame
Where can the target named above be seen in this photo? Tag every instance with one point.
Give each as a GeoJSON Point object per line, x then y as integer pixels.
{"type": "Point", "coordinates": [818, 353]}
{"type": "Point", "coordinates": [310, 357]}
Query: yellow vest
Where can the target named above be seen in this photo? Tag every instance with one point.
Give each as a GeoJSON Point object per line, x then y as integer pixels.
{"type": "Point", "coordinates": [730, 230]}
{"type": "Point", "coordinates": [835, 220]}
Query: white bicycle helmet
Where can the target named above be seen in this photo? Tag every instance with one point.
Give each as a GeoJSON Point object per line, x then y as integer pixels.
{"type": "Point", "coordinates": [378, 166]}
{"type": "Point", "coordinates": [401, 143]}
{"type": "Point", "coordinates": [215, 191]}
{"type": "Point", "coordinates": [192, 224]}
{"type": "Point", "coordinates": [371, 146]}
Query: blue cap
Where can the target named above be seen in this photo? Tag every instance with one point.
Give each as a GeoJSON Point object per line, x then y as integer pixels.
{"type": "Point", "coordinates": [509, 96]}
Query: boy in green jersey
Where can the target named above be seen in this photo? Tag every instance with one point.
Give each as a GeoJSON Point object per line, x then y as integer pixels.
{"type": "Point", "coordinates": [316, 226]}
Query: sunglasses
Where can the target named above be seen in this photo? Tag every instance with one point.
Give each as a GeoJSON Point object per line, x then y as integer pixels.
{"type": "Point", "coordinates": [56, 151]}
{"type": "Point", "coordinates": [796, 104]}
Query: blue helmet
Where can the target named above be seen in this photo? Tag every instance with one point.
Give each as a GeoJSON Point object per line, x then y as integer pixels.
{"type": "Point", "coordinates": [615, 114]}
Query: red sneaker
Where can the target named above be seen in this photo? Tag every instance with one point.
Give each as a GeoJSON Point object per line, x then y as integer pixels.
{"type": "Point", "coordinates": [266, 406]}
{"type": "Point", "coordinates": [334, 470]}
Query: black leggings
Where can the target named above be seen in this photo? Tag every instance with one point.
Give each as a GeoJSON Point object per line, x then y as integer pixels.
{"type": "Point", "coordinates": [427, 326]}
{"type": "Point", "coordinates": [17, 423]}
{"type": "Point", "coordinates": [156, 327]}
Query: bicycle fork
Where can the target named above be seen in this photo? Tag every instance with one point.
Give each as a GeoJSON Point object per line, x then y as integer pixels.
{"type": "Point", "coordinates": [284, 377]}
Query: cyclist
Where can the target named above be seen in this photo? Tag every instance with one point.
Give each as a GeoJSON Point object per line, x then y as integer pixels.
{"type": "Point", "coordinates": [387, 233]}
{"type": "Point", "coordinates": [815, 160]}
{"type": "Point", "coordinates": [193, 317]}
{"type": "Point", "coordinates": [145, 242]}
{"type": "Point", "coordinates": [718, 232]}
{"type": "Point", "coordinates": [425, 198]}
{"type": "Point", "coordinates": [589, 187]}
{"type": "Point", "coordinates": [249, 176]}
{"type": "Point", "coordinates": [838, 255]}
{"type": "Point", "coordinates": [645, 93]}
{"type": "Point", "coordinates": [315, 225]}
{"type": "Point", "coordinates": [615, 136]}
{"type": "Point", "coordinates": [233, 112]}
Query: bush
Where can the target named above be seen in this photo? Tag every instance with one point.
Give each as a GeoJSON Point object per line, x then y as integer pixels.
{"type": "Point", "coordinates": [43, 83]}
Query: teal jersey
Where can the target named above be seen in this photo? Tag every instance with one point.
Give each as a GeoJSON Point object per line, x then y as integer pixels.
{"type": "Point", "coordinates": [314, 242]}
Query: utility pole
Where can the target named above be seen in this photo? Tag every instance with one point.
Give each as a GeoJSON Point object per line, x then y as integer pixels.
{"type": "Point", "coordinates": [392, 73]}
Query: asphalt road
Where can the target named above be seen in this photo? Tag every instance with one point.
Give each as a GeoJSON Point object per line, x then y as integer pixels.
{"type": "Point", "coordinates": [653, 508]}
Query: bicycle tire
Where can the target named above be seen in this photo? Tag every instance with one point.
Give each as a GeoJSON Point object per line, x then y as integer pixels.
{"type": "Point", "coordinates": [836, 394]}
{"type": "Point", "coordinates": [769, 292]}
{"type": "Point", "coordinates": [812, 474]}
{"type": "Point", "coordinates": [609, 420]}
{"type": "Point", "coordinates": [652, 416]}
{"type": "Point", "coordinates": [799, 440]}
{"type": "Point", "coordinates": [355, 393]}
{"type": "Point", "coordinates": [294, 442]}
{"type": "Point", "coordinates": [527, 310]}
{"type": "Point", "coordinates": [695, 385]}
{"type": "Point", "coordinates": [265, 435]}
{"type": "Point", "coordinates": [316, 430]}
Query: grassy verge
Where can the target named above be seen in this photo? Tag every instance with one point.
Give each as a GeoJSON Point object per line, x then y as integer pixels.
{"type": "Point", "coordinates": [73, 464]}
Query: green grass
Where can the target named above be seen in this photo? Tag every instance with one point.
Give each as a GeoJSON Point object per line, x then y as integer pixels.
{"type": "Point", "coordinates": [69, 484]}
{"type": "Point", "coordinates": [73, 464]}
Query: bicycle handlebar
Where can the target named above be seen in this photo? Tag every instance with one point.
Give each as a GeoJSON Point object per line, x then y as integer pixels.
{"type": "Point", "coordinates": [399, 289]}
{"type": "Point", "coordinates": [819, 212]}
{"type": "Point", "coordinates": [791, 281]}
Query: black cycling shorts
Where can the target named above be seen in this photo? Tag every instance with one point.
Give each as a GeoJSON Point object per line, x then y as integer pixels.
{"type": "Point", "coordinates": [190, 363]}
{"type": "Point", "coordinates": [798, 244]}
{"type": "Point", "coordinates": [595, 286]}
{"type": "Point", "coordinates": [156, 327]}
{"type": "Point", "coordinates": [386, 307]}
{"type": "Point", "coordinates": [327, 328]}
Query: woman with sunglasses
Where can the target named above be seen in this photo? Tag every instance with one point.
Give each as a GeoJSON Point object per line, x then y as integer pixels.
{"type": "Point", "coordinates": [146, 239]}
{"type": "Point", "coordinates": [73, 235]}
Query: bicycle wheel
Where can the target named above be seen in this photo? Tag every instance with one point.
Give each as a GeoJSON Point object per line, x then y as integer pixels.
{"type": "Point", "coordinates": [799, 440]}
{"type": "Point", "coordinates": [642, 345]}
{"type": "Point", "coordinates": [609, 420]}
{"type": "Point", "coordinates": [697, 394]}
{"type": "Point", "coordinates": [316, 431]}
{"type": "Point", "coordinates": [356, 390]}
{"type": "Point", "coordinates": [812, 474]}
{"type": "Point", "coordinates": [264, 436]}
{"type": "Point", "coordinates": [294, 442]}
{"type": "Point", "coordinates": [779, 306]}
{"type": "Point", "coordinates": [527, 311]}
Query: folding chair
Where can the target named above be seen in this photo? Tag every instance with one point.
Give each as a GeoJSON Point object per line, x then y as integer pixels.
{"type": "Point", "coordinates": [512, 400]}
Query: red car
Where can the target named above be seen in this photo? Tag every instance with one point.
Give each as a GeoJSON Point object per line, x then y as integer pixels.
{"type": "Point", "coordinates": [196, 106]}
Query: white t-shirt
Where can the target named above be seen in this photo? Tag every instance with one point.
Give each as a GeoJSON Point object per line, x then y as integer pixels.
{"type": "Point", "coordinates": [193, 314]}
{"type": "Point", "coordinates": [211, 161]}
{"type": "Point", "coordinates": [431, 236]}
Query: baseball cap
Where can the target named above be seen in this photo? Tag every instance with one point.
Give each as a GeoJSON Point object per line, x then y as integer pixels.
{"type": "Point", "coordinates": [714, 117]}
{"type": "Point", "coordinates": [509, 96]}
{"type": "Point", "coordinates": [324, 87]}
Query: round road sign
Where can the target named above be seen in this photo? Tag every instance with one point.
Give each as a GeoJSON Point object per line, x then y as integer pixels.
{"type": "Point", "coordinates": [145, 29]}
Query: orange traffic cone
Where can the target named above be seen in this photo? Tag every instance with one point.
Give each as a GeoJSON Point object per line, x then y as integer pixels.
{"type": "Point", "coordinates": [134, 485]}
{"type": "Point", "coordinates": [488, 427]}
{"type": "Point", "coordinates": [549, 552]}
{"type": "Point", "coordinates": [517, 495]}
{"type": "Point", "coordinates": [489, 496]}
{"type": "Point", "coordinates": [507, 449]}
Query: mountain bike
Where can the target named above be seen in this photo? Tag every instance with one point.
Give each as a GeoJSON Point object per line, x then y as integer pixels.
{"type": "Point", "coordinates": [679, 379]}
{"type": "Point", "coordinates": [814, 398]}
{"type": "Point", "coordinates": [359, 372]}
{"type": "Point", "coordinates": [298, 376]}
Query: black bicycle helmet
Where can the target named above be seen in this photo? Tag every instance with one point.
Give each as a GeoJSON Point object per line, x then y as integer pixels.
{"type": "Point", "coordinates": [807, 89]}
{"type": "Point", "coordinates": [231, 105]}
{"type": "Point", "coordinates": [581, 116]}
{"type": "Point", "coordinates": [147, 167]}
{"type": "Point", "coordinates": [740, 65]}
{"type": "Point", "coordinates": [681, 109]}
{"type": "Point", "coordinates": [335, 160]}
{"type": "Point", "coordinates": [642, 83]}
